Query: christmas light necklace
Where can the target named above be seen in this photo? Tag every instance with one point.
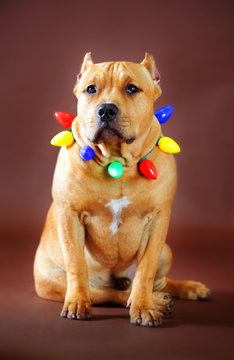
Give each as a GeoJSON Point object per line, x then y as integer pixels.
{"type": "Point", "coordinates": [115, 169]}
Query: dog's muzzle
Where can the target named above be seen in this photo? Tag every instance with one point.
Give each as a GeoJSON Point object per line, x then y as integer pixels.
{"type": "Point", "coordinates": [108, 128]}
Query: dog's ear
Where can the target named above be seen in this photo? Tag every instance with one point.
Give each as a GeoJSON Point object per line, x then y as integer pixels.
{"type": "Point", "coordinates": [86, 62]}
{"type": "Point", "coordinates": [149, 63]}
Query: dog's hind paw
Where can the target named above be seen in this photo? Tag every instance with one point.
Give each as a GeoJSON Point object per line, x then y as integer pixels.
{"type": "Point", "coordinates": [164, 303]}
{"type": "Point", "coordinates": [195, 290]}
{"type": "Point", "coordinates": [188, 290]}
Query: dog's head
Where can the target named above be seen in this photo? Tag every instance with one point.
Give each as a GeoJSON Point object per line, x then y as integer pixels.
{"type": "Point", "coordinates": [115, 100]}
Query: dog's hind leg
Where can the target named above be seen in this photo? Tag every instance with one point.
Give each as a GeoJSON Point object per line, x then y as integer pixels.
{"type": "Point", "coordinates": [50, 280]}
{"type": "Point", "coordinates": [190, 290]}
{"type": "Point", "coordinates": [51, 283]}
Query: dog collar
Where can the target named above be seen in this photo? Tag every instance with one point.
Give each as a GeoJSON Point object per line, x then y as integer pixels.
{"type": "Point", "coordinates": [115, 169]}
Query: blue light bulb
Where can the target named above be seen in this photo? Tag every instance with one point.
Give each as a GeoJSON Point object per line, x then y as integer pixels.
{"type": "Point", "coordinates": [164, 113]}
{"type": "Point", "coordinates": [87, 153]}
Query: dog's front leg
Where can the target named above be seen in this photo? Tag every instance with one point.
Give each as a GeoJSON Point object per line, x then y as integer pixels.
{"type": "Point", "coordinates": [71, 233]}
{"type": "Point", "coordinates": [143, 305]}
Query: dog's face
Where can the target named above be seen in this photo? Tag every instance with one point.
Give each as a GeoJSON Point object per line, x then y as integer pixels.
{"type": "Point", "coordinates": [115, 100]}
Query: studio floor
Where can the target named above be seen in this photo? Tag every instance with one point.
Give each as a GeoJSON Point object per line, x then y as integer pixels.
{"type": "Point", "coordinates": [30, 328]}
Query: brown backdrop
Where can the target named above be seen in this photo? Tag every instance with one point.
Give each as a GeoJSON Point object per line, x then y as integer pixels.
{"type": "Point", "coordinates": [42, 46]}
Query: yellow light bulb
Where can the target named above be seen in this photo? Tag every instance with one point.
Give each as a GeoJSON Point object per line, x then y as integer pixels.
{"type": "Point", "coordinates": [168, 145]}
{"type": "Point", "coordinates": [64, 138]}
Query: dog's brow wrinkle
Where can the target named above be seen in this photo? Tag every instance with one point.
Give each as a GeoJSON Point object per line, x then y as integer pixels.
{"type": "Point", "coordinates": [112, 71]}
{"type": "Point", "coordinates": [104, 75]}
{"type": "Point", "coordinates": [101, 79]}
{"type": "Point", "coordinates": [124, 78]}
{"type": "Point", "coordinates": [116, 67]}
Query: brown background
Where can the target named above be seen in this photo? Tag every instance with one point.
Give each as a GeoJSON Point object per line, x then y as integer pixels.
{"type": "Point", "coordinates": [42, 46]}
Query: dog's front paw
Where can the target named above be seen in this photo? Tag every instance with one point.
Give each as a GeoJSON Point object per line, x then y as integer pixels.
{"type": "Point", "coordinates": [80, 310]}
{"type": "Point", "coordinates": [145, 313]}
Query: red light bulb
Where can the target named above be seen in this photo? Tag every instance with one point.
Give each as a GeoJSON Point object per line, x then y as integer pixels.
{"type": "Point", "coordinates": [64, 118]}
{"type": "Point", "coordinates": [148, 169]}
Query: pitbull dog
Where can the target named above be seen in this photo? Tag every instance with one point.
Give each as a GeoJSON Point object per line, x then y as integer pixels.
{"type": "Point", "coordinates": [98, 226]}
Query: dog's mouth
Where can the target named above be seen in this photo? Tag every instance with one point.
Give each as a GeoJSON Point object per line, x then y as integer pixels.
{"type": "Point", "coordinates": [109, 135]}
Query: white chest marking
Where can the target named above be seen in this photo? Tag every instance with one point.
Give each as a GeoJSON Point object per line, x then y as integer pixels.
{"type": "Point", "coordinates": [116, 207]}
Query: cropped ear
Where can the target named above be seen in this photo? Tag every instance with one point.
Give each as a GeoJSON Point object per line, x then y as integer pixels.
{"type": "Point", "coordinates": [149, 63]}
{"type": "Point", "coordinates": [86, 62]}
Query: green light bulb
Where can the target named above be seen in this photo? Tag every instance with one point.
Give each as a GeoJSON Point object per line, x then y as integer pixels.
{"type": "Point", "coordinates": [115, 169]}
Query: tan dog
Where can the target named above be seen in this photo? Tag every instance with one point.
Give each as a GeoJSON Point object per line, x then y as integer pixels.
{"type": "Point", "coordinates": [98, 226]}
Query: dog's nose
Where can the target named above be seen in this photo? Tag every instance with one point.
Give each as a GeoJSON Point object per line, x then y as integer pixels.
{"type": "Point", "coordinates": [107, 112]}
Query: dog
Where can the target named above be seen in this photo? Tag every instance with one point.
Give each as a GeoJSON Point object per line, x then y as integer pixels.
{"type": "Point", "coordinates": [99, 226]}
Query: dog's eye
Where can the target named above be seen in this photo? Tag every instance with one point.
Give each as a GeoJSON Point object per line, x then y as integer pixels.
{"type": "Point", "coordinates": [91, 90]}
{"type": "Point", "coordinates": [132, 89]}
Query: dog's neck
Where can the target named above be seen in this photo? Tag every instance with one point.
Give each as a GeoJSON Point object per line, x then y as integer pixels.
{"type": "Point", "coordinates": [126, 154]}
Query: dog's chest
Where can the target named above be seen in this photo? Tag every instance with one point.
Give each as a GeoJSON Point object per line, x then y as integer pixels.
{"type": "Point", "coordinates": [115, 228]}
{"type": "Point", "coordinates": [116, 207]}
